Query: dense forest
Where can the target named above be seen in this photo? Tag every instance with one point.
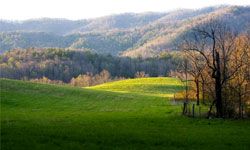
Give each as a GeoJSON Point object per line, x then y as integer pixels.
{"type": "Point", "coordinates": [63, 64]}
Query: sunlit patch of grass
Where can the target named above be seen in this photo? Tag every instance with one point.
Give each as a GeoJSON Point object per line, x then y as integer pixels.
{"type": "Point", "coordinates": [161, 86]}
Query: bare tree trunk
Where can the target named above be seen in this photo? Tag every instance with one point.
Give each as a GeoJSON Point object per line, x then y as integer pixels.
{"type": "Point", "coordinates": [218, 87]}
{"type": "Point", "coordinates": [240, 104]}
{"type": "Point", "coordinates": [186, 78]}
{"type": "Point", "coordinates": [203, 92]}
{"type": "Point", "coordinates": [197, 91]}
{"type": "Point", "coordinates": [210, 109]}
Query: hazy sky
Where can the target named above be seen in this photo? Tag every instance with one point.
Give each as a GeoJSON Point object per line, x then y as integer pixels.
{"type": "Point", "coordinates": [80, 9]}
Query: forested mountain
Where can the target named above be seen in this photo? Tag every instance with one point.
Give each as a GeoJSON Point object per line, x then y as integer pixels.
{"type": "Point", "coordinates": [167, 39]}
{"type": "Point", "coordinates": [129, 34]}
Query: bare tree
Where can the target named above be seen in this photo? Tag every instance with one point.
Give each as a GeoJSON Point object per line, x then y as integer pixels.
{"type": "Point", "coordinates": [196, 67]}
{"type": "Point", "coordinates": [215, 43]}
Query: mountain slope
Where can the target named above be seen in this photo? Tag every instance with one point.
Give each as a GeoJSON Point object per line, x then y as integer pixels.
{"type": "Point", "coordinates": [237, 17]}
{"type": "Point", "coordinates": [129, 34]}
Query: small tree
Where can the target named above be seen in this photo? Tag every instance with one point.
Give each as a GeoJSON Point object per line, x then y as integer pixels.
{"type": "Point", "coordinates": [140, 74]}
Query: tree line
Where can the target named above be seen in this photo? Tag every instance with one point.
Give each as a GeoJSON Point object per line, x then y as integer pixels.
{"type": "Point", "coordinates": [65, 65]}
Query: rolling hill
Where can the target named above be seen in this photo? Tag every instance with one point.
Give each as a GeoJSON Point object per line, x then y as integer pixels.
{"type": "Point", "coordinates": [129, 34]}
{"type": "Point", "coordinates": [111, 116]}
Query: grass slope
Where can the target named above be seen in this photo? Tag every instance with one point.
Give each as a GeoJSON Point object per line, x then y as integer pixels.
{"type": "Point", "coordinates": [161, 87]}
{"type": "Point", "coordinates": [41, 116]}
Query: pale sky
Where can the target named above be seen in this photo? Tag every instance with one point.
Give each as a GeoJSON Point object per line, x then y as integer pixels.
{"type": "Point", "coordinates": [81, 9]}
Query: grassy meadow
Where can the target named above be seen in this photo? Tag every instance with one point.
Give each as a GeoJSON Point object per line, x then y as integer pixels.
{"type": "Point", "coordinates": [128, 114]}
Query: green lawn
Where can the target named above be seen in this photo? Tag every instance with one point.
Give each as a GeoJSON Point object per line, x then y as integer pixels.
{"type": "Point", "coordinates": [129, 114]}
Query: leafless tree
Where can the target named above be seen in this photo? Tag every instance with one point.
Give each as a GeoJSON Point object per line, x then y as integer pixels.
{"type": "Point", "coordinates": [215, 43]}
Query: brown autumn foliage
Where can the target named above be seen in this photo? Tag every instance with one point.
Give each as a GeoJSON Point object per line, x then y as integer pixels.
{"type": "Point", "coordinates": [90, 79]}
{"type": "Point", "coordinates": [219, 61]}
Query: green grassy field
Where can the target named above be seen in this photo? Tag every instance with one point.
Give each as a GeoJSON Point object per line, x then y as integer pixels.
{"type": "Point", "coordinates": [129, 114]}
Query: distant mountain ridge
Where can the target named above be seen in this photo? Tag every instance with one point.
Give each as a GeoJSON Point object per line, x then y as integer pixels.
{"type": "Point", "coordinates": [64, 26]}
{"type": "Point", "coordinates": [128, 34]}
